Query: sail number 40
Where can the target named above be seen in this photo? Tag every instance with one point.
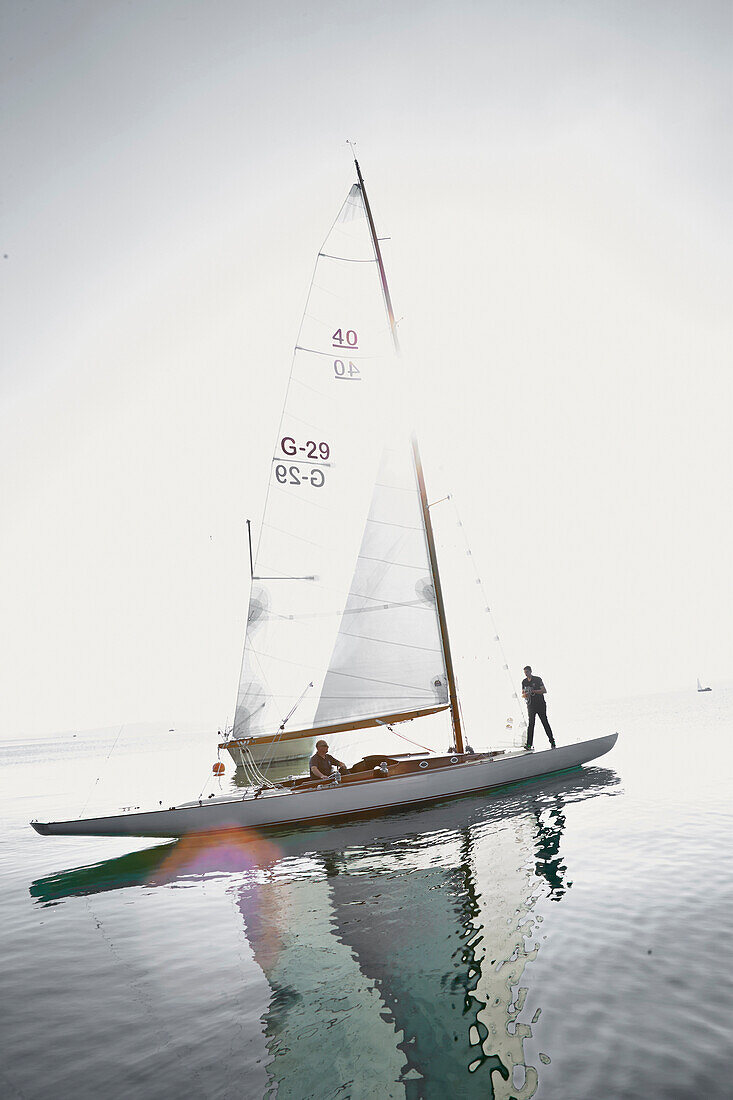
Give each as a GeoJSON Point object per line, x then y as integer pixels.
{"type": "Point", "coordinates": [346, 370]}
{"type": "Point", "coordinates": [349, 340]}
{"type": "Point", "coordinates": [293, 475]}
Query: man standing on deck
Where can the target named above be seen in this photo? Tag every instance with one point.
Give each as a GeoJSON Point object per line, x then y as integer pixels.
{"type": "Point", "coordinates": [533, 691]}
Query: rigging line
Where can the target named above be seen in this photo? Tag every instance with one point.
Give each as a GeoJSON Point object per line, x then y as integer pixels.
{"type": "Point", "coordinates": [295, 706]}
{"type": "Point", "coordinates": [267, 759]}
{"type": "Point", "coordinates": [408, 739]}
{"type": "Point", "coordinates": [460, 708]}
{"type": "Point", "coordinates": [252, 770]}
{"type": "Point", "coordinates": [262, 776]}
{"type": "Point", "coordinates": [245, 767]}
{"type": "Point", "coordinates": [252, 773]}
{"type": "Point", "coordinates": [206, 783]}
{"type": "Point", "coordinates": [497, 637]}
{"type": "Point", "coordinates": [91, 792]}
{"type": "Point", "coordinates": [256, 771]}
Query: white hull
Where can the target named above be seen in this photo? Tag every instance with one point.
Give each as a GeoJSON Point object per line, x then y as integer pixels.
{"type": "Point", "coordinates": [278, 809]}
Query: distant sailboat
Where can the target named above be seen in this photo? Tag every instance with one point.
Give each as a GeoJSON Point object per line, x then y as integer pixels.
{"type": "Point", "coordinates": [700, 687]}
{"type": "Point", "coordinates": [346, 626]}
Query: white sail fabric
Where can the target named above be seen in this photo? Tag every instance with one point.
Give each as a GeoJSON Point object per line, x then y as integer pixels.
{"type": "Point", "coordinates": [388, 657]}
{"type": "Point", "coordinates": [323, 472]}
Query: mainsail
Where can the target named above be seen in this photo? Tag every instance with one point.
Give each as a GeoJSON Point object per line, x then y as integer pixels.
{"type": "Point", "coordinates": [342, 530]}
{"type": "Point", "coordinates": [388, 657]}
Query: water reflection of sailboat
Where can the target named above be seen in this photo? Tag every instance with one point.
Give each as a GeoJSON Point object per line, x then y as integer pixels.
{"type": "Point", "coordinates": [548, 862]}
{"type": "Point", "coordinates": [394, 960]}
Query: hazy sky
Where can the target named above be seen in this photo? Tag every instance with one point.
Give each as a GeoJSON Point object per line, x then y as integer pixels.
{"type": "Point", "coordinates": [555, 180]}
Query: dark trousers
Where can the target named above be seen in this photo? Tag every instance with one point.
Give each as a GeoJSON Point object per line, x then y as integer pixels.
{"type": "Point", "coordinates": [538, 709]}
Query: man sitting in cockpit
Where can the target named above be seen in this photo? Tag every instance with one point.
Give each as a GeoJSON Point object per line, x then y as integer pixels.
{"type": "Point", "coordinates": [322, 764]}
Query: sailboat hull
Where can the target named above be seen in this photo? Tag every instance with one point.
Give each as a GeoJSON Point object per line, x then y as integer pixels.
{"type": "Point", "coordinates": [283, 809]}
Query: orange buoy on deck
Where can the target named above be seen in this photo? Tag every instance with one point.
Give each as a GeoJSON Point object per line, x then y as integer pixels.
{"type": "Point", "coordinates": [218, 768]}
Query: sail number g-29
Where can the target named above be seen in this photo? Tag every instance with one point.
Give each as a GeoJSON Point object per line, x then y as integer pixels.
{"type": "Point", "coordinates": [308, 474]}
{"type": "Point", "coordinates": [310, 448]}
{"type": "Point", "coordinates": [294, 475]}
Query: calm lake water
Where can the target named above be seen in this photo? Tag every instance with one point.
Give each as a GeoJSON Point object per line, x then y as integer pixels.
{"type": "Point", "coordinates": [566, 939]}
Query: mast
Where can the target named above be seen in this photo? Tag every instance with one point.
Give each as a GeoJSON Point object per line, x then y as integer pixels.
{"type": "Point", "coordinates": [452, 692]}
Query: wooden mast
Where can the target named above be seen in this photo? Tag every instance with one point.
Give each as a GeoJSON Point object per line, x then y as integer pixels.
{"type": "Point", "coordinates": [452, 693]}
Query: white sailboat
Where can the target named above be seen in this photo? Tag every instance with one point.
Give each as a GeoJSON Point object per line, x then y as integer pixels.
{"type": "Point", "coordinates": [700, 687]}
{"type": "Point", "coordinates": [346, 627]}
{"type": "Point", "coordinates": [342, 631]}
